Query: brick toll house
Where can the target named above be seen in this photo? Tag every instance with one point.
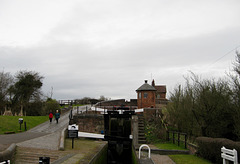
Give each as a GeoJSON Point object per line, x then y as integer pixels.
{"type": "Point", "coordinates": [151, 96]}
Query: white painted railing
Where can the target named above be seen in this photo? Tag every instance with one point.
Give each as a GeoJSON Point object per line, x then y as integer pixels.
{"type": "Point", "coordinates": [230, 155]}
{"type": "Point", "coordinates": [149, 150]}
{"type": "Point", "coordinates": [5, 162]}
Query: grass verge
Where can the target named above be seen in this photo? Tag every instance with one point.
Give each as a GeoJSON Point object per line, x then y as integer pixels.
{"type": "Point", "coordinates": [188, 159]}
{"type": "Point", "coordinates": [81, 145]}
{"type": "Point", "coordinates": [181, 159]}
{"type": "Point", "coordinates": [86, 147]}
{"type": "Point", "coordinates": [11, 124]}
{"type": "Point", "coordinates": [169, 146]}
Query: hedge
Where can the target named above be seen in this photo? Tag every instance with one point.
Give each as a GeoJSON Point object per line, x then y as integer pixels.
{"type": "Point", "coordinates": [210, 148]}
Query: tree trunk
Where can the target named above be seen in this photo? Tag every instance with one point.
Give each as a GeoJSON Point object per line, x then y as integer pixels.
{"type": "Point", "coordinates": [203, 130]}
{"type": "Point", "coordinates": [21, 111]}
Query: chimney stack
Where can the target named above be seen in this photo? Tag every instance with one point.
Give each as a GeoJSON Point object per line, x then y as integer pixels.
{"type": "Point", "coordinates": [153, 83]}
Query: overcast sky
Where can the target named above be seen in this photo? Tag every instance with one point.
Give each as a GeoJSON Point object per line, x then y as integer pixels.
{"type": "Point", "coordinates": [108, 47]}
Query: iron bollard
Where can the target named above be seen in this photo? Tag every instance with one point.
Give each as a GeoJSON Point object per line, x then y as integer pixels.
{"type": "Point", "coordinates": [25, 125]}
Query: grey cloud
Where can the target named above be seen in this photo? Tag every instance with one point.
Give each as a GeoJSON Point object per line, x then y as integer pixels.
{"type": "Point", "coordinates": [109, 50]}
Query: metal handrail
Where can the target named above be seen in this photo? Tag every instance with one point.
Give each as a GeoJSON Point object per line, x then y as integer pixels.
{"type": "Point", "coordinates": [149, 150]}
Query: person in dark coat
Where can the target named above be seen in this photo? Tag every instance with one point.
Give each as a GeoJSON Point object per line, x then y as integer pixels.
{"type": "Point", "coordinates": [57, 116]}
{"type": "Point", "coordinates": [50, 117]}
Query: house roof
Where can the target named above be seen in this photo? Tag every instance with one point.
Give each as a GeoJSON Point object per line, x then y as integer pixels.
{"type": "Point", "coordinates": [146, 87]}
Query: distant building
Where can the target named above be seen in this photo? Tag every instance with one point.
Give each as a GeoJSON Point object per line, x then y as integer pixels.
{"type": "Point", "coordinates": [160, 95]}
{"type": "Point", "coordinates": [151, 96]}
{"type": "Point", "coordinates": [146, 96]}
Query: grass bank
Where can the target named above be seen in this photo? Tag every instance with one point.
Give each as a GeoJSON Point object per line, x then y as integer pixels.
{"type": "Point", "coordinates": [181, 159]}
{"type": "Point", "coordinates": [188, 159]}
{"type": "Point", "coordinates": [85, 149]}
{"type": "Point", "coordinates": [169, 146]}
{"type": "Point", "coordinates": [11, 124]}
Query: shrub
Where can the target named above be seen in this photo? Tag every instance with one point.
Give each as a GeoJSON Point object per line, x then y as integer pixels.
{"type": "Point", "coordinates": [35, 109]}
{"type": "Point", "coordinates": [51, 106]}
{"type": "Point", "coordinates": [210, 148]}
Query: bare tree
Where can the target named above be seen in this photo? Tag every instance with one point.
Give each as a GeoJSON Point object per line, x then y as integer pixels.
{"type": "Point", "coordinates": [6, 80]}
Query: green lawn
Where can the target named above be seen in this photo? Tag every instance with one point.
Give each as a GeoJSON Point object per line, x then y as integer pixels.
{"type": "Point", "coordinates": [86, 148]}
{"type": "Point", "coordinates": [188, 159]}
{"type": "Point", "coordinates": [169, 146]}
{"type": "Point", "coordinates": [81, 145]}
{"type": "Point", "coordinates": [180, 159]}
{"type": "Point", "coordinates": [10, 123]}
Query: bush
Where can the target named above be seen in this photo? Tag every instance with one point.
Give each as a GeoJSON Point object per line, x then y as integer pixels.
{"type": "Point", "coordinates": [210, 148]}
{"type": "Point", "coordinates": [154, 132]}
{"type": "Point", "coordinates": [51, 106]}
{"type": "Point", "coordinates": [35, 109]}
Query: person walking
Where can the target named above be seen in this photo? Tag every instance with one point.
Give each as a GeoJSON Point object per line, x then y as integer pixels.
{"type": "Point", "coordinates": [57, 116]}
{"type": "Point", "coordinates": [50, 117]}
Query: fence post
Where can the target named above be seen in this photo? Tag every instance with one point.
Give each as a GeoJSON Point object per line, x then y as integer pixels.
{"type": "Point", "coordinates": [25, 125]}
{"type": "Point", "coordinates": [168, 136]}
{"type": "Point", "coordinates": [173, 138]}
{"type": "Point", "coordinates": [185, 141]}
{"type": "Point", "coordinates": [178, 138]}
{"type": "Point", "coordinates": [235, 155]}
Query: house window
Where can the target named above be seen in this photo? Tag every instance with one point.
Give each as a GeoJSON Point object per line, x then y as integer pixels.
{"type": "Point", "coordinates": [139, 95]}
{"type": "Point", "coordinates": [158, 96]}
{"type": "Point", "coordinates": [145, 95]}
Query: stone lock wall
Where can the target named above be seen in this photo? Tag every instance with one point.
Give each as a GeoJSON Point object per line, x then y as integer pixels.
{"type": "Point", "coordinates": [91, 123]}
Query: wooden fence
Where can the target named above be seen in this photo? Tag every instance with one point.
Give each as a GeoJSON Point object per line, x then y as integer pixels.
{"type": "Point", "coordinates": [176, 137]}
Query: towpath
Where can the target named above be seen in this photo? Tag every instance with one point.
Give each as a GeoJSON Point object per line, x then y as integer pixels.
{"type": "Point", "coordinates": [45, 130]}
{"type": "Point", "coordinates": [156, 158]}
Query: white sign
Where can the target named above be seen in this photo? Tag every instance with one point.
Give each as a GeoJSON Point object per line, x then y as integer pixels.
{"type": "Point", "coordinates": [73, 127]}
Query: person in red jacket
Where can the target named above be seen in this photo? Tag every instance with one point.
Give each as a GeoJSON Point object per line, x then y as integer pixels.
{"type": "Point", "coordinates": [50, 117]}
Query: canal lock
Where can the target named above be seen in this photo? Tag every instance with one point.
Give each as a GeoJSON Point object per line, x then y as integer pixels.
{"type": "Point", "coordinates": [119, 149]}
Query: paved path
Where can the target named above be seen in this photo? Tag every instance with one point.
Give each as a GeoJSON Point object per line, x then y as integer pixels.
{"type": "Point", "coordinates": [6, 140]}
{"type": "Point", "coordinates": [161, 159]}
{"type": "Point", "coordinates": [50, 142]}
{"type": "Point", "coordinates": [48, 131]}
{"type": "Point", "coordinates": [156, 158]}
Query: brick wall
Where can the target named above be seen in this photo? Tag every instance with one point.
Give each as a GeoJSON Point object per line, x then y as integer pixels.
{"type": "Point", "coordinates": [146, 102]}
